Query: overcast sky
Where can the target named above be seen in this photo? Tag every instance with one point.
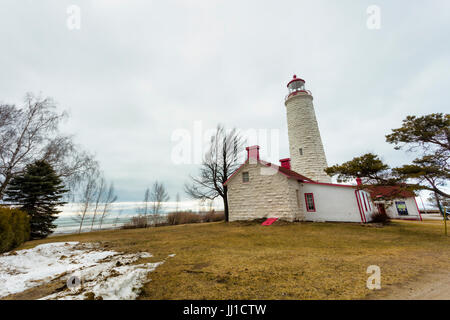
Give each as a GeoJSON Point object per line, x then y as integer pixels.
{"type": "Point", "coordinates": [138, 71]}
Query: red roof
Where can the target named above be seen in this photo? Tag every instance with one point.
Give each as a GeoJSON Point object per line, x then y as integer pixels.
{"type": "Point", "coordinates": [293, 174]}
{"type": "Point", "coordinates": [294, 78]}
{"type": "Point", "coordinates": [389, 191]}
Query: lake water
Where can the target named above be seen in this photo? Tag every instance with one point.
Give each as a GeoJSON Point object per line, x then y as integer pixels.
{"type": "Point", "coordinates": [120, 214]}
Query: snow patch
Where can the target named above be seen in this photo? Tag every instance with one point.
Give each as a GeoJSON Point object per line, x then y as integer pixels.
{"type": "Point", "coordinates": [100, 274]}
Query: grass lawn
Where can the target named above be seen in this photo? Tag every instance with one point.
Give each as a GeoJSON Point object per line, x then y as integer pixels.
{"type": "Point", "coordinates": [282, 261]}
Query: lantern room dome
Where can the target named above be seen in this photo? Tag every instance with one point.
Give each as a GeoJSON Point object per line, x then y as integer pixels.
{"type": "Point", "coordinates": [295, 81]}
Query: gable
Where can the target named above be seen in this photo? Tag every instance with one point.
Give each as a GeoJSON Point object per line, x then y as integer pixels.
{"type": "Point", "coordinates": [257, 172]}
{"type": "Point", "coordinates": [268, 169]}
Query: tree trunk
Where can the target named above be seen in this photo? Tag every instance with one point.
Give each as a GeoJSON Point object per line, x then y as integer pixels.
{"type": "Point", "coordinates": [225, 203]}
{"type": "Point", "coordinates": [4, 185]}
{"type": "Point", "coordinates": [439, 204]}
{"type": "Point", "coordinates": [2, 190]}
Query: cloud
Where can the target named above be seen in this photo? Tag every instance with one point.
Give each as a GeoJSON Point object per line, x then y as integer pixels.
{"type": "Point", "coordinates": [138, 70]}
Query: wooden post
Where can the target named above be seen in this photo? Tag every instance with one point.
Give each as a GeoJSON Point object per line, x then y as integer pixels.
{"type": "Point", "coordinates": [445, 219]}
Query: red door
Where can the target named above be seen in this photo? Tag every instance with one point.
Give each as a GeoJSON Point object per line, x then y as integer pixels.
{"type": "Point", "coordinates": [381, 208]}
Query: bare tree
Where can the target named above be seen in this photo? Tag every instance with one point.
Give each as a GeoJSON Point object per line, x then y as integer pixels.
{"type": "Point", "coordinates": [178, 203]}
{"type": "Point", "coordinates": [87, 197]}
{"type": "Point", "coordinates": [210, 205]}
{"type": "Point", "coordinates": [108, 201]}
{"type": "Point", "coordinates": [98, 198]}
{"type": "Point", "coordinates": [116, 219]}
{"type": "Point", "coordinates": [158, 195]}
{"type": "Point", "coordinates": [143, 210]}
{"type": "Point", "coordinates": [71, 163]}
{"type": "Point", "coordinates": [218, 165]}
{"type": "Point", "coordinates": [31, 133]}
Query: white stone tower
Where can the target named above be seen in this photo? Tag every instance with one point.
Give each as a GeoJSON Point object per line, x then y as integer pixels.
{"type": "Point", "coordinates": [305, 145]}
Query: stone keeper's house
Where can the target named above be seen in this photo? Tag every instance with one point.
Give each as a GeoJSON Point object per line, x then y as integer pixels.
{"type": "Point", "coordinates": [259, 189]}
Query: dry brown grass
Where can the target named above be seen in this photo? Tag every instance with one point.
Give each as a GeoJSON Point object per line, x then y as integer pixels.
{"type": "Point", "coordinates": [283, 261]}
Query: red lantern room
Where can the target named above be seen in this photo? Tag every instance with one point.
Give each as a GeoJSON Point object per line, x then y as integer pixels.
{"type": "Point", "coordinates": [296, 86]}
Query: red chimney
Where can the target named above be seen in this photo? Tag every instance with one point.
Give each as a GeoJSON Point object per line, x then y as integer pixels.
{"type": "Point", "coordinates": [286, 163]}
{"type": "Point", "coordinates": [252, 152]}
{"type": "Point", "coordinates": [358, 181]}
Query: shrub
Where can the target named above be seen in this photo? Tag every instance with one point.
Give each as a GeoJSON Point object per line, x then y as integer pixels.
{"type": "Point", "coordinates": [139, 221]}
{"type": "Point", "coordinates": [183, 217]}
{"type": "Point", "coordinates": [213, 216]}
{"type": "Point", "coordinates": [380, 217]}
{"type": "Point", "coordinates": [157, 220]}
{"type": "Point", "coordinates": [14, 228]}
{"type": "Point", "coordinates": [173, 218]}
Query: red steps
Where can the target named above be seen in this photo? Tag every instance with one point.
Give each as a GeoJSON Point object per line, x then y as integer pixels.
{"type": "Point", "coordinates": [269, 221]}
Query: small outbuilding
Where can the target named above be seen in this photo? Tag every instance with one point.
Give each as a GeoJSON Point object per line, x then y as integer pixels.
{"type": "Point", "coordinates": [397, 203]}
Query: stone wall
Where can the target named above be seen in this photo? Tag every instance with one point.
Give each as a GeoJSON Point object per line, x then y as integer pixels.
{"type": "Point", "coordinates": [304, 133]}
{"type": "Point", "coordinates": [267, 194]}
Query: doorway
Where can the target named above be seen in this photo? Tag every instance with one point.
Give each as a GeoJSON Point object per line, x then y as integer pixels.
{"type": "Point", "coordinates": [381, 208]}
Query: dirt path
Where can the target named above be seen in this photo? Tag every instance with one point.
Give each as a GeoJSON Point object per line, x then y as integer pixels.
{"type": "Point", "coordinates": [428, 287]}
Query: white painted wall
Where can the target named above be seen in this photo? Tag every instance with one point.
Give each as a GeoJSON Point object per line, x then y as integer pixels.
{"type": "Point", "coordinates": [365, 205]}
{"type": "Point", "coordinates": [333, 203]}
{"type": "Point", "coordinates": [391, 209]}
{"type": "Point", "coordinates": [275, 195]}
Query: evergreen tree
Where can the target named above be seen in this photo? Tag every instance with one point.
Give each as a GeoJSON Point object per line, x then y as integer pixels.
{"type": "Point", "coordinates": [429, 135]}
{"type": "Point", "coordinates": [38, 191]}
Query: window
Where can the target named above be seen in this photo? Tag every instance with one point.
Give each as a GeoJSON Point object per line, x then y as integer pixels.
{"type": "Point", "coordinates": [401, 208]}
{"type": "Point", "coordinates": [245, 177]}
{"type": "Point", "coordinates": [300, 151]}
{"type": "Point", "coordinates": [309, 200]}
{"type": "Point", "coordinates": [299, 204]}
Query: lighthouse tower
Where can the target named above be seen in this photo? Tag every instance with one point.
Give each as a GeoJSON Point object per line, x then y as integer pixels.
{"type": "Point", "coordinates": [305, 145]}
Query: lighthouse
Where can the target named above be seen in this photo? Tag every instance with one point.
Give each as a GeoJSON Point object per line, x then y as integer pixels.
{"type": "Point", "coordinates": [305, 145]}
